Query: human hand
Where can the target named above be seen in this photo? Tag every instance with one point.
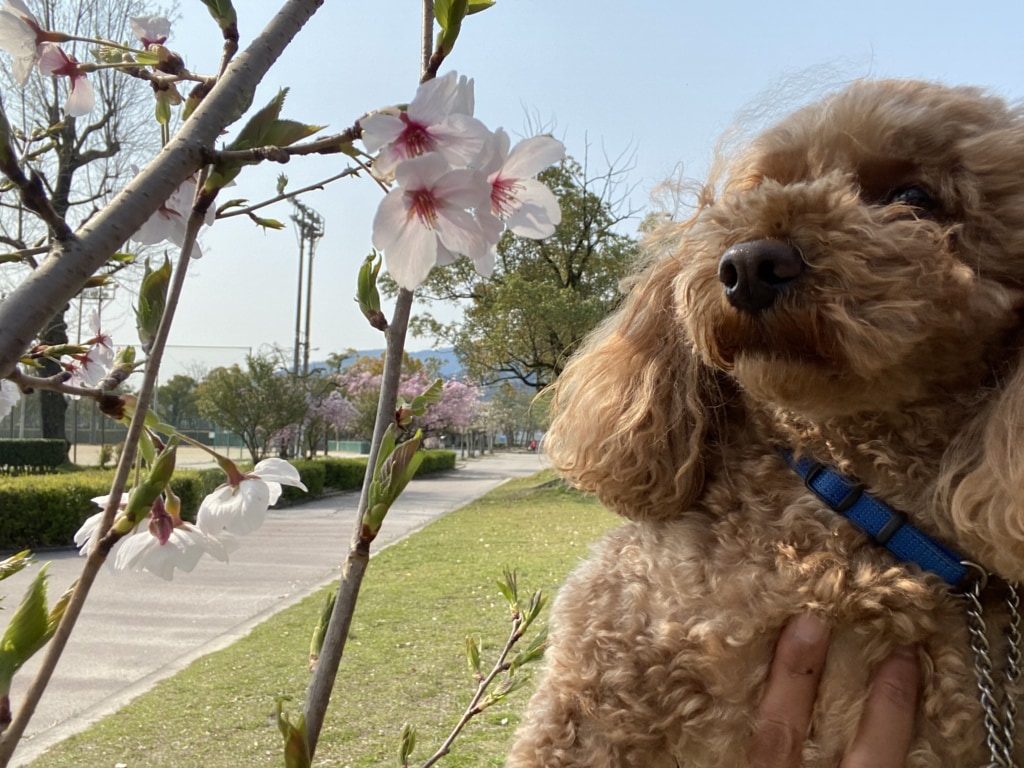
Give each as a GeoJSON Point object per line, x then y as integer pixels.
{"type": "Point", "coordinates": [886, 725]}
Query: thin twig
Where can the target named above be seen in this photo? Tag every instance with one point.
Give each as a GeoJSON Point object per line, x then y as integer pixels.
{"type": "Point", "coordinates": [287, 195]}
{"type": "Point", "coordinates": [323, 146]}
{"type": "Point", "coordinates": [473, 709]}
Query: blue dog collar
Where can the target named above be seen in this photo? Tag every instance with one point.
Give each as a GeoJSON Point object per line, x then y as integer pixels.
{"type": "Point", "coordinates": [885, 525]}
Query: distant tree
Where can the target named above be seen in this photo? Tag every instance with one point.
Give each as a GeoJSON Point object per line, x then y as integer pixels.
{"type": "Point", "coordinates": [360, 384]}
{"type": "Point", "coordinates": [328, 410]}
{"type": "Point", "coordinates": [457, 411]}
{"type": "Point", "coordinates": [256, 403]}
{"type": "Point", "coordinates": [544, 296]}
{"type": "Point", "coordinates": [335, 361]}
{"type": "Point", "coordinates": [510, 412]}
{"type": "Point", "coordinates": [177, 401]}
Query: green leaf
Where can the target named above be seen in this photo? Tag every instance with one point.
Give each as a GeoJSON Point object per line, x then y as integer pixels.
{"type": "Point", "coordinates": [367, 295]}
{"type": "Point", "coordinates": [296, 747]}
{"type": "Point", "coordinates": [282, 182]}
{"type": "Point", "coordinates": [223, 13]}
{"type": "Point", "coordinates": [283, 133]}
{"type": "Point", "coordinates": [15, 563]}
{"type": "Point", "coordinates": [473, 656]}
{"type": "Point", "coordinates": [145, 494]}
{"type": "Point", "coordinates": [152, 300]}
{"type": "Point", "coordinates": [235, 202]}
{"type": "Point", "coordinates": [449, 15]}
{"type": "Point", "coordinates": [163, 111]}
{"type": "Point", "coordinates": [510, 589]}
{"type": "Point", "coordinates": [533, 610]}
{"type": "Point", "coordinates": [532, 652]}
{"type": "Point", "coordinates": [475, 6]}
{"type": "Point", "coordinates": [316, 644]}
{"type": "Point", "coordinates": [144, 58]}
{"type": "Point", "coordinates": [266, 223]}
{"type": "Point", "coordinates": [27, 631]}
{"type": "Point", "coordinates": [434, 394]}
{"type": "Point", "coordinates": [501, 692]}
{"type": "Point", "coordinates": [395, 468]}
{"type": "Point", "coordinates": [265, 128]}
{"type": "Point", "coordinates": [407, 743]}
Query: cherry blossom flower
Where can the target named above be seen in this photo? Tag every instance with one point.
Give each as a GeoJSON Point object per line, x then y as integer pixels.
{"type": "Point", "coordinates": [102, 344]}
{"type": "Point", "coordinates": [526, 205]}
{"type": "Point", "coordinates": [438, 119]}
{"type": "Point", "coordinates": [240, 505]}
{"type": "Point", "coordinates": [84, 535]}
{"type": "Point", "coordinates": [53, 61]}
{"type": "Point", "coordinates": [170, 220]}
{"type": "Point", "coordinates": [424, 220]}
{"type": "Point", "coordinates": [9, 396]}
{"type": "Point", "coordinates": [166, 541]}
{"type": "Point", "coordinates": [87, 370]}
{"type": "Point", "coordinates": [20, 35]}
{"type": "Point", "coordinates": [150, 30]}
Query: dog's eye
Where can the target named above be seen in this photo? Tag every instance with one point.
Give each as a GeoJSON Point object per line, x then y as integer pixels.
{"type": "Point", "coordinates": [912, 196]}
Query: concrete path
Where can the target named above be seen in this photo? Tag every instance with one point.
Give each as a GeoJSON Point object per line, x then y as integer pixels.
{"type": "Point", "coordinates": [137, 629]}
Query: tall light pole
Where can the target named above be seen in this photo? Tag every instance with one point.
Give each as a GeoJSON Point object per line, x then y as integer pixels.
{"type": "Point", "coordinates": [310, 228]}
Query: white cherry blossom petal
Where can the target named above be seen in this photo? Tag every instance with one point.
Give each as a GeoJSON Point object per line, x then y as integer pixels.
{"type": "Point", "coordinates": [150, 29]}
{"type": "Point", "coordinates": [531, 156]}
{"type": "Point", "coordinates": [239, 510]}
{"type": "Point", "coordinates": [278, 471]}
{"type": "Point", "coordinates": [183, 550]}
{"type": "Point", "coordinates": [462, 188]}
{"type": "Point", "coordinates": [379, 129]}
{"type": "Point", "coordinates": [538, 212]}
{"type": "Point", "coordinates": [82, 98]}
{"type": "Point", "coordinates": [460, 232]}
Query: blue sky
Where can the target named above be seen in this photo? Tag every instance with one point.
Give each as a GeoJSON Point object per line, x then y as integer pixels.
{"type": "Point", "coordinates": [658, 80]}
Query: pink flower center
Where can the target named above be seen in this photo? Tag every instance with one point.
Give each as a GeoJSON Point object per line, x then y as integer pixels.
{"type": "Point", "coordinates": [504, 201]}
{"type": "Point", "coordinates": [424, 207]}
{"type": "Point", "coordinates": [415, 138]}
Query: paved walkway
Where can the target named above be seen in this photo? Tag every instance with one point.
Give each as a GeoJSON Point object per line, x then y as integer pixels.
{"type": "Point", "coordinates": [137, 629]}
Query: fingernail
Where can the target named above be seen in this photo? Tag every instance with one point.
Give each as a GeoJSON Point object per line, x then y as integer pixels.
{"type": "Point", "coordinates": [906, 652]}
{"type": "Point", "coordinates": [809, 628]}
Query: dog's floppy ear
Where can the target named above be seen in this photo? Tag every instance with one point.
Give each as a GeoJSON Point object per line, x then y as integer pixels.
{"type": "Point", "coordinates": [633, 410]}
{"type": "Point", "coordinates": [982, 481]}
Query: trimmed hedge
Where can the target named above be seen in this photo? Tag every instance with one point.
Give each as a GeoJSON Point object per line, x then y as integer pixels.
{"type": "Point", "coordinates": [39, 511]}
{"type": "Point", "coordinates": [31, 457]}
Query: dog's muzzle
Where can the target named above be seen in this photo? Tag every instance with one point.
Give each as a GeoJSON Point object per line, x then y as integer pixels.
{"type": "Point", "coordinates": [756, 272]}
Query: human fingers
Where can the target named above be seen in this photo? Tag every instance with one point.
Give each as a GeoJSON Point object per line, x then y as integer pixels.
{"type": "Point", "coordinates": [784, 713]}
{"type": "Point", "coordinates": [887, 724]}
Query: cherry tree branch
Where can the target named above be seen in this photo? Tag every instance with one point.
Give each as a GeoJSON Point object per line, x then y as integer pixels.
{"type": "Point", "coordinates": [288, 195]}
{"type": "Point", "coordinates": [72, 262]}
{"type": "Point", "coordinates": [318, 695]}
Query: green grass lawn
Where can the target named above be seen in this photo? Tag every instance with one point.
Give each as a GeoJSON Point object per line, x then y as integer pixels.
{"type": "Point", "coordinates": [404, 662]}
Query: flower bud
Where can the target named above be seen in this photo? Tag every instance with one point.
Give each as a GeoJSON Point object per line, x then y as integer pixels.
{"type": "Point", "coordinates": [152, 299]}
{"type": "Point", "coordinates": [146, 493]}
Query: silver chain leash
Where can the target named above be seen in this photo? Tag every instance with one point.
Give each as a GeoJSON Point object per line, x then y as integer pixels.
{"type": "Point", "coordinates": [1000, 719]}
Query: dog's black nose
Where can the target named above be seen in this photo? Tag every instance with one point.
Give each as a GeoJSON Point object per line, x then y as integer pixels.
{"type": "Point", "coordinates": [754, 273]}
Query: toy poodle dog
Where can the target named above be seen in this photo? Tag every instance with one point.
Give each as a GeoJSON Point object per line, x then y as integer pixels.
{"type": "Point", "coordinates": [811, 400]}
